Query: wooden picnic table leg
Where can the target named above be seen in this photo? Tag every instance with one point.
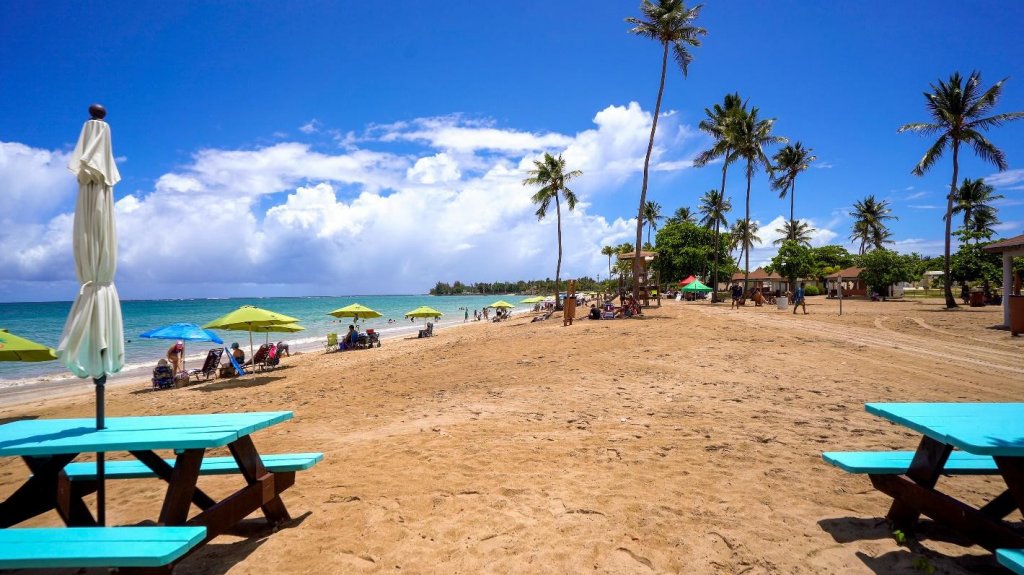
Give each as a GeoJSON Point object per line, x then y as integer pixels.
{"type": "Point", "coordinates": [48, 488]}
{"type": "Point", "coordinates": [924, 470]}
{"type": "Point", "coordinates": [181, 487]}
{"type": "Point", "coordinates": [1003, 505]}
{"type": "Point", "coordinates": [1012, 469]}
{"type": "Point", "coordinates": [253, 470]}
{"type": "Point", "coordinates": [164, 471]}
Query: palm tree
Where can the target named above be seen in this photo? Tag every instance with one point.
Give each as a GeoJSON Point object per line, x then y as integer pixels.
{"type": "Point", "coordinates": [608, 251]}
{"type": "Point", "coordinates": [743, 235]}
{"type": "Point", "coordinates": [973, 201]}
{"type": "Point", "coordinates": [652, 213]}
{"type": "Point", "coordinates": [671, 24]}
{"type": "Point", "coordinates": [751, 136]}
{"type": "Point", "coordinates": [683, 215]}
{"type": "Point", "coordinates": [957, 110]}
{"type": "Point", "coordinates": [792, 230]}
{"type": "Point", "coordinates": [869, 217]}
{"type": "Point", "coordinates": [550, 174]}
{"type": "Point", "coordinates": [714, 207]}
{"type": "Point", "coordinates": [720, 125]}
{"type": "Point", "coordinates": [790, 160]}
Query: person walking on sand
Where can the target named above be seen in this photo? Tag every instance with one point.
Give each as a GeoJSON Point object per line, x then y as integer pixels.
{"type": "Point", "coordinates": [466, 318]}
{"type": "Point", "coordinates": [737, 294]}
{"type": "Point", "coordinates": [798, 299]}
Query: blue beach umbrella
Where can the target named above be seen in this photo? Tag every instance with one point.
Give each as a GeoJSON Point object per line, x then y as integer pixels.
{"type": "Point", "coordinates": [183, 332]}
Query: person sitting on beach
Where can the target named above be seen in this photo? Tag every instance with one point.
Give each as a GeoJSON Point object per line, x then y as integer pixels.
{"type": "Point", "coordinates": [237, 353]}
{"type": "Point", "coordinates": [163, 377]}
{"type": "Point", "coordinates": [351, 337]}
{"type": "Point", "coordinates": [594, 312]}
{"type": "Point", "coordinates": [176, 355]}
{"type": "Point", "coordinates": [757, 297]}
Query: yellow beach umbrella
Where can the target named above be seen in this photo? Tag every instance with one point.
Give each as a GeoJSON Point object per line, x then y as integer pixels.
{"type": "Point", "coordinates": [356, 311]}
{"type": "Point", "coordinates": [424, 312]}
{"type": "Point", "coordinates": [502, 304]}
{"type": "Point", "coordinates": [534, 299]}
{"type": "Point", "coordinates": [14, 348]}
{"type": "Point", "coordinates": [248, 318]}
{"type": "Point", "coordinates": [277, 328]}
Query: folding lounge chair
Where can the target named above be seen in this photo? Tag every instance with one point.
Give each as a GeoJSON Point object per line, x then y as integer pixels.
{"type": "Point", "coordinates": [259, 360]}
{"type": "Point", "coordinates": [332, 342]}
{"type": "Point", "coordinates": [210, 366]}
{"type": "Point", "coordinates": [427, 332]}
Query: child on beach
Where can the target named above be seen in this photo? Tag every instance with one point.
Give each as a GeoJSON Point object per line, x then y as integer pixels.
{"type": "Point", "coordinates": [798, 299]}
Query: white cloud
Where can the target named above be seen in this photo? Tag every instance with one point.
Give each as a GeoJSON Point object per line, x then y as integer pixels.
{"type": "Point", "coordinates": [915, 195]}
{"type": "Point", "coordinates": [310, 127]}
{"type": "Point", "coordinates": [247, 221]}
{"type": "Point", "coordinates": [924, 206]}
{"type": "Point", "coordinates": [823, 165]}
{"type": "Point", "coordinates": [1004, 179]}
{"type": "Point", "coordinates": [36, 181]}
{"type": "Point", "coordinates": [761, 255]}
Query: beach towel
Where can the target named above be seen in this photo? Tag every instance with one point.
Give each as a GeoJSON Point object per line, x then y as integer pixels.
{"type": "Point", "coordinates": [234, 362]}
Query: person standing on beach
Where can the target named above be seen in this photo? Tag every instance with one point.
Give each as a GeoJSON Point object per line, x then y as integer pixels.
{"type": "Point", "coordinates": [798, 299]}
{"type": "Point", "coordinates": [737, 294]}
{"type": "Point", "coordinates": [176, 355]}
{"type": "Point", "coordinates": [466, 318]}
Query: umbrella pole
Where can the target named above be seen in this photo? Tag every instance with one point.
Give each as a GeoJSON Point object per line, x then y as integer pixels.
{"type": "Point", "coordinates": [251, 354]}
{"type": "Point", "coordinates": [101, 490]}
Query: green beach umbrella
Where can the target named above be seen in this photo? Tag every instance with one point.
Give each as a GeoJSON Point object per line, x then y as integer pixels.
{"type": "Point", "coordinates": [14, 348]}
{"type": "Point", "coordinates": [356, 311]}
{"type": "Point", "coordinates": [502, 304]}
{"type": "Point", "coordinates": [696, 286]}
{"type": "Point", "coordinates": [248, 318]}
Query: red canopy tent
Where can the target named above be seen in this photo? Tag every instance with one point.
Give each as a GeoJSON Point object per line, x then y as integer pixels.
{"type": "Point", "coordinates": [687, 281]}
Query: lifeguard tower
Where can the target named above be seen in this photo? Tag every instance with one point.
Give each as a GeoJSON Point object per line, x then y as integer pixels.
{"type": "Point", "coordinates": [650, 278]}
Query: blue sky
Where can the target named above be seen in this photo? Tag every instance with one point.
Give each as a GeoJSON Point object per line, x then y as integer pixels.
{"type": "Point", "coordinates": [330, 148]}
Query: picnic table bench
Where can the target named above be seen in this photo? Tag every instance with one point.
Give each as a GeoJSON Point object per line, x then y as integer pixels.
{"type": "Point", "coordinates": [957, 439]}
{"type": "Point", "coordinates": [49, 446]}
{"type": "Point", "coordinates": [120, 547]}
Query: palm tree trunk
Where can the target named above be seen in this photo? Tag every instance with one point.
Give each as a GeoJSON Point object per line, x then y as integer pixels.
{"type": "Point", "coordinates": [609, 266]}
{"type": "Point", "coordinates": [558, 268]}
{"type": "Point", "coordinates": [647, 165]}
{"type": "Point", "coordinates": [648, 234]}
{"type": "Point", "coordinates": [714, 291]}
{"type": "Point", "coordinates": [746, 235]}
{"type": "Point", "coordinates": [950, 302]}
{"type": "Point", "coordinates": [792, 201]}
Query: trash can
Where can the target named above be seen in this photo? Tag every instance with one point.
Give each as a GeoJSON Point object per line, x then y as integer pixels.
{"type": "Point", "coordinates": [781, 302]}
{"type": "Point", "coordinates": [977, 299]}
{"type": "Point", "coordinates": [1016, 314]}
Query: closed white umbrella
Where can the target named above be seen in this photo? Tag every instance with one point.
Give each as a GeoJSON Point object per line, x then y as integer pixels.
{"type": "Point", "coordinates": [92, 344]}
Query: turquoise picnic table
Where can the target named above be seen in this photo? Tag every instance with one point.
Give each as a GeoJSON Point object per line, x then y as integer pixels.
{"type": "Point", "coordinates": [991, 432]}
{"type": "Point", "coordinates": [49, 446]}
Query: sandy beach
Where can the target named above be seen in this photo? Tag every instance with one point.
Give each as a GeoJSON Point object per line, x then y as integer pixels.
{"type": "Point", "coordinates": [687, 441]}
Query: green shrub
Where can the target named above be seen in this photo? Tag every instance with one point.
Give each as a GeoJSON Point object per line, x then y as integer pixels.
{"type": "Point", "coordinates": [812, 290]}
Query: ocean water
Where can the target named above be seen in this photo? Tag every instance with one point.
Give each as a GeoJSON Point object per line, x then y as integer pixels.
{"type": "Point", "coordinates": [43, 322]}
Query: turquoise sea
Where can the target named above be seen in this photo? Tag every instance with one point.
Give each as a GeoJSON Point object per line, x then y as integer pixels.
{"type": "Point", "coordinates": [43, 322]}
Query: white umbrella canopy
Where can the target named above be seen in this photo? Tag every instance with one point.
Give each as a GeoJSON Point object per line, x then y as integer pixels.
{"type": "Point", "coordinates": [92, 344]}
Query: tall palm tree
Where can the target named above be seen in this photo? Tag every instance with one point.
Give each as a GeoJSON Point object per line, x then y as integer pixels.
{"type": "Point", "coordinates": [743, 235]}
{"type": "Point", "coordinates": [751, 136]}
{"type": "Point", "coordinates": [608, 251]}
{"type": "Point", "coordinates": [792, 230]}
{"type": "Point", "coordinates": [958, 116]}
{"type": "Point", "coordinates": [549, 173]}
{"type": "Point", "coordinates": [720, 125]}
{"type": "Point", "coordinates": [714, 206]}
{"type": "Point", "coordinates": [973, 201]}
{"type": "Point", "coordinates": [652, 213]}
{"type": "Point", "coordinates": [671, 24]}
{"type": "Point", "coordinates": [869, 217]}
{"type": "Point", "coordinates": [790, 161]}
{"type": "Point", "coordinates": [683, 214]}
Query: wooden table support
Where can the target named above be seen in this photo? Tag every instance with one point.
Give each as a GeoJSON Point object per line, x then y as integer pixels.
{"type": "Point", "coordinates": [925, 469]}
{"type": "Point", "coordinates": [48, 488]}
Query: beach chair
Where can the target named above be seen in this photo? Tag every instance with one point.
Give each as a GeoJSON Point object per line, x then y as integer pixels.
{"type": "Point", "coordinates": [239, 370]}
{"type": "Point", "coordinates": [372, 337]}
{"type": "Point", "coordinates": [163, 376]}
{"type": "Point", "coordinates": [210, 366]}
{"type": "Point", "coordinates": [428, 332]}
{"type": "Point", "coordinates": [332, 342]}
{"type": "Point", "coordinates": [259, 359]}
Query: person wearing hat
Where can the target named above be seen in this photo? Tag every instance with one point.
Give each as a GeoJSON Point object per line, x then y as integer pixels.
{"type": "Point", "coordinates": [176, 355]}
